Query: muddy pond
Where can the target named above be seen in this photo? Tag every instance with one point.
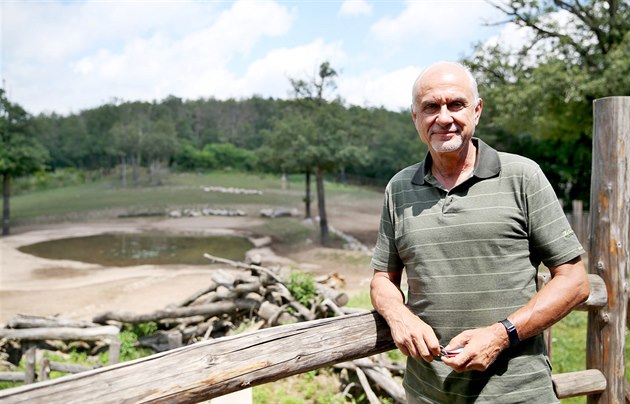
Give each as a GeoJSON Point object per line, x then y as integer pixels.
{"type": "Point", "coordinates": [130, 249]}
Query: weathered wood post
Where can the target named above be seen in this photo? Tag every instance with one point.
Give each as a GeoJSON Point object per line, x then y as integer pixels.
{"type": "Point", "coordinates": [610, 242]}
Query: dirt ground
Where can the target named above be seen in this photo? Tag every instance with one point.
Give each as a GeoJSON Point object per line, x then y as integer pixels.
{"type": "Point", "coordinates": [70, 289]}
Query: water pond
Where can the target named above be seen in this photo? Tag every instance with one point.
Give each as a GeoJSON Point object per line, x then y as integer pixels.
{"type": "Point", "coordinates": [128, 249]}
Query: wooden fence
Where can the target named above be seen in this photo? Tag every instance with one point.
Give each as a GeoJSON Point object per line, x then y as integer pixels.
{"type": "Point", "coordinates": [214, 368]}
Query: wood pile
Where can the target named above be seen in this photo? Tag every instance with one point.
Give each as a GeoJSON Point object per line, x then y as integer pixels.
{"type": "Point", "coordinates": [245, 298]}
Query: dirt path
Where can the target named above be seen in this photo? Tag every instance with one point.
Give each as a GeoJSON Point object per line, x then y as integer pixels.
{"type": "Point", "coordinates": [38, 286]}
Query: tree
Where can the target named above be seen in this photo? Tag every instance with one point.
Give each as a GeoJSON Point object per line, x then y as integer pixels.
{"type": "Point", "coordinates": [20, 154]}
{"type": "Point", "coordinates": [314, 138]}
{"type": "Point", "coordinates": [538, 97]}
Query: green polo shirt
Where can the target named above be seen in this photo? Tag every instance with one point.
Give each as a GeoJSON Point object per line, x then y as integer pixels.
{"type": "Point", "coordinates": [471, 257]}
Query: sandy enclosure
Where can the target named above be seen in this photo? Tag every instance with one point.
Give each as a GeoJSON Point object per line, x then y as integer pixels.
{"type": "Point", "coordinates": [71, 289]}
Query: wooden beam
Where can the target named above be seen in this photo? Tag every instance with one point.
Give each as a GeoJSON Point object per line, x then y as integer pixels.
{"type": "Point", "coordinates": [62, 333]}
{"type": "Point", "coordinates": [581, 383]}
{"type": "Point", "coordinates": [213, 368]}
{"type": "Point", "coordinates": [598, 297]}
{"type": "Point", "coordinates": [609, 253]}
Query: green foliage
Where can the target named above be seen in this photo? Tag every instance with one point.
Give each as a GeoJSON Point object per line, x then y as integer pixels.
{"type": "Point", "coordinates": [43, 180]}
{"type": "Point", "coordinates": [214, 156]}
{"type": "Point", "coordinates": [361, 300]}
{"type": "Point", "coordinates": [538, 98]}
{"type": "Point", "coordinates": [129, 335]}
{"type": "Point", "coordinates": [302, 287]}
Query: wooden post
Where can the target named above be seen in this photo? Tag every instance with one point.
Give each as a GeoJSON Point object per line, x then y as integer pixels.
{"type": "Point", "coordinates": [578, 221]}
{"type": "Point", "coordinates": [29, 373]}
{"type": "Point", "coordinates": [610, 242]}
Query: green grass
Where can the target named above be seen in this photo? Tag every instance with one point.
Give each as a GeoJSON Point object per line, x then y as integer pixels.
{"type": "Point", "coordinates": [105, 198]}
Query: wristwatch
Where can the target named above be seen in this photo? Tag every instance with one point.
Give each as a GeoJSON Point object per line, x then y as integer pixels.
{"type": "Point", "coordinates": [512, 334]}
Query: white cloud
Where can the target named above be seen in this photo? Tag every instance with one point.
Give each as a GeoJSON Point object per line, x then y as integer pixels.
{"type": "Point", "coordinates": [391, 90]}
{"type": "Point", "coordinates": [355, 7]}
{"type": "Point", "coordinates": [150, 62]}
{"type": "Point", "coordinates": [432, 24]}
{"type": "Point", "coordinates": [270, 75]}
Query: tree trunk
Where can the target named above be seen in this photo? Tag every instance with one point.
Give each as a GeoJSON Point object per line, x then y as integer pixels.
{"type": "Point", "coordinates": [123, 168]}
{"type": "Point", "coordinates": [321, 205]}
{"type": "Point", "coordinates": [6, 196]}
{"type": "Point", "coordinates": [135, 170]}
{"type": "Point", "coordinates": [307, 196]}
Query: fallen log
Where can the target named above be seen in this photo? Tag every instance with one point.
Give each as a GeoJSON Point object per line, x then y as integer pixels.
{"type": "Point", "coordinates": [213, 368]}
{"type": "Point", "coordinates": [208, 310]}
{"type": "Point", "coordinates": [63, 333]}
{"type": "Point", "coordinates": [382, 378]}
{"type": "Point", "coordinates": [12, 376]}
{"type": "Point", "coordinates": [369, 393]}
{"type": "Point", "coordinates": [26, 321]}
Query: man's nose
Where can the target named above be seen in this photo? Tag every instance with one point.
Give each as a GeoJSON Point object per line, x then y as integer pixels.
{"type": "Point", "coordinates": [444, 116]}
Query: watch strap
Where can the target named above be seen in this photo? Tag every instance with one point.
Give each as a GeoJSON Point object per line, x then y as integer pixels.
{"type": "Point", "coordinates": [511, 331]}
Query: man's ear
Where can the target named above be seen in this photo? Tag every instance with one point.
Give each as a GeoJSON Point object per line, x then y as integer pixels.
{"type": "Point", "coordinates": [478, 109]}
{"type": "Point", "coordinates": [413, 113]}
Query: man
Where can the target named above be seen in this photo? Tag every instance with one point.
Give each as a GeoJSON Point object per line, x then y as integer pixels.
{"type": "Point", "coordinates": [470, 227]}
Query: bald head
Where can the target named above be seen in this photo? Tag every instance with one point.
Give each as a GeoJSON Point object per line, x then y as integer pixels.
{"type": "Point", "coordinates": [442, 68]}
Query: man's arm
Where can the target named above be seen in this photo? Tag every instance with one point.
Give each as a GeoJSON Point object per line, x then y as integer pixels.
{"type": "Point", "coordinates": [567, 288]}
{"type": "Point", "coordinates": [412, 336]}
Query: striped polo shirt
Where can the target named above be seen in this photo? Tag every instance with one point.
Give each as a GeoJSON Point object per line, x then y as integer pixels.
{"type": "Point", "coordinates": [471, 256]}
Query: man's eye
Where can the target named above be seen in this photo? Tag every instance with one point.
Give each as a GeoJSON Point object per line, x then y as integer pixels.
{"type": "Point", "coordinates": [431, 108]}
{"type": "Point", "coordinates": [456, 106]}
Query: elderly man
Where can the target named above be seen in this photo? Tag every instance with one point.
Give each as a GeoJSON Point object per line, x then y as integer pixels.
{"type": "Point", "coordinates": [470, 226]}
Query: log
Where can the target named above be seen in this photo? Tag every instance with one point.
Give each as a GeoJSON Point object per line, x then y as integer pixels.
{"type": "Point", "coordinates": [12, 376]}
{"type": "Point", "coordinates": [211, 287]}
{"type": "Point", "coordinates": [340, 298]}
{"type": "Point", "coordinates": [25, 321]}
{"type": "Point", "coordinates": [106, 333]}
{"type": "Point", "coordinates": [213, 368]}
{"type": "Point", "coordinates": [369, 393]}
{"type": "Point", "coordinates": [581, 383]}
{"type": "Point", "coordinates": [44, 369]}
{"type": "Point", "coordinates": [208, 310]}
{"type": "Point", "coordinates": [29, 372]}
{"type": "Point", "coordinates": [68, 367]}
{"type": "Point", "coordinates": [609, 252]}
{"type": "Point", "coordinates": [241, 265]}
{"type": "Point", "coordinates": [598, 297]}
{"type": "Point", "coordinates": [383, 378]}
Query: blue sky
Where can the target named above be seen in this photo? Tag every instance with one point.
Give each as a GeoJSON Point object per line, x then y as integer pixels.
{"type": "Point", "coordinates": [65, 56]}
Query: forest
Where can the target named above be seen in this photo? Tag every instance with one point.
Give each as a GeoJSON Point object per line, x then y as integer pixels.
{"type": "Point", "coordinates": [537, 103]}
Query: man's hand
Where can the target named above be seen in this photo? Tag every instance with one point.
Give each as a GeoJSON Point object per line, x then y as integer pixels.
{"type": "Point", "coordinates": [413, 336]}
{"type": "Point", "coordinates": [481, 348]}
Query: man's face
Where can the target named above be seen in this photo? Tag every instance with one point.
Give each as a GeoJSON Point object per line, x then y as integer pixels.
{"type": "Point", "coordinates": [445, 110]}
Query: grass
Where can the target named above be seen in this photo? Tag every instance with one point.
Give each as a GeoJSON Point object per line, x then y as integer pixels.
{"type": "Point", "coordinates": [105, 198]}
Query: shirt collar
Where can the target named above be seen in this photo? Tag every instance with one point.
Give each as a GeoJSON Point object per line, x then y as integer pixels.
{"type": "Point", "coordinates": [487, 165]}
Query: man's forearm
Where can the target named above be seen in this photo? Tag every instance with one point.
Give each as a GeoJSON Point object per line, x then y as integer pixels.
{"type": "Point", "coordinates": [387, 298]}
{"type": "Point", "coordinates": [567, 288]}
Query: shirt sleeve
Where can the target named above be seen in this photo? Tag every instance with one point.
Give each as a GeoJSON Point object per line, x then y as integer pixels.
{"type": "Point", "coordinates": [552, 240]}
{"type": "Point", "coordinates": [385, 257]}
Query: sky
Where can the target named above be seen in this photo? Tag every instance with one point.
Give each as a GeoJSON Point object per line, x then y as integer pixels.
{"type": "Point", "coordinates": [67, 56]}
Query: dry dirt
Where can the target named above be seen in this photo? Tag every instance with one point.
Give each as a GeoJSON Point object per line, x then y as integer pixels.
{"type": "Point", "coordinates": [77, 290]}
